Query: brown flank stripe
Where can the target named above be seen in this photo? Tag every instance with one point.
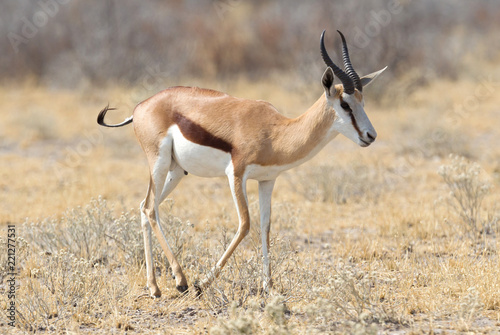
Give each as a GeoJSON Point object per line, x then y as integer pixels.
{"type": "Point", "coordinates": [197, 134]}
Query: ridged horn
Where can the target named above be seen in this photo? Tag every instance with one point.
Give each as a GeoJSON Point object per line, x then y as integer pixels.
{"type": "Point", "coordinates": [344, 77]}
{"type": "Point", "coordinates": [347, 64]}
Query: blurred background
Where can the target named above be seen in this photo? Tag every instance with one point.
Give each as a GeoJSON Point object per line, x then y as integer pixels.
{"type": "Point", "coordinates": [69, 43]}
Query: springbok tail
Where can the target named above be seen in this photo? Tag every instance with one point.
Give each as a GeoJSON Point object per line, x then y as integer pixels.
{"type": "Point", "coordinates": [100, 118]}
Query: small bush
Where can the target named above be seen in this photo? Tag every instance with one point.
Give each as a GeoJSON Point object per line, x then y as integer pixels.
{"type": "Point", "coordinates": [251, 321]}
{"type": "Point", "coordinates": [470, 307]}
{"type": "Point", "coordinates": [467, 192]}
{"type": "Point", "coordinates": [359, 296]}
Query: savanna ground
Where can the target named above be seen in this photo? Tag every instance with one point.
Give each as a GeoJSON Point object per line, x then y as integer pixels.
{"type": "Point", "coordinates": [399, 237]}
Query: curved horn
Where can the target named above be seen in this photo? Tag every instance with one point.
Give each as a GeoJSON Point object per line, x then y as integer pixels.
{"type": "Point", "coordinates": [344, 77]}
{"type": "Point", "coordinates": [347, 64]}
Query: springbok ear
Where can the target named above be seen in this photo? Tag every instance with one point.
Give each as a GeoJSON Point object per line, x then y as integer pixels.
{"type": "Point", "coordinates": [370, 77]}
{"type": "Point", "coordinates": [327, 81]}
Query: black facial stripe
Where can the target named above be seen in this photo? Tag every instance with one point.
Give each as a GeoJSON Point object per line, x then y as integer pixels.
{"type": "Point", "coordinates": [353, 119]}
{"type": "Point", "coordinates": [355, 124]}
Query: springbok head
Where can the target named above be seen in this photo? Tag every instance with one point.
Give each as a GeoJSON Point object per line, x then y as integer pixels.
{"type": "Point", "coordinates": [347, 98]}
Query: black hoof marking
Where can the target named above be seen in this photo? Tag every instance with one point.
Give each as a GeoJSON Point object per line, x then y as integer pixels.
{"type": "Point", "coordinates": [198, 290]}
{"type": "Point", "coordinates": [182, 289]}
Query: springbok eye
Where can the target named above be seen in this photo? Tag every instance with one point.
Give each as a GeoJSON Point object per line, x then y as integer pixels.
{"type": "Point", "coordinates": [346, 106]}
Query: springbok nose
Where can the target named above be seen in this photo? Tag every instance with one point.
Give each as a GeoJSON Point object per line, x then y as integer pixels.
{"type": "Point", "coordinates": [371, 135]}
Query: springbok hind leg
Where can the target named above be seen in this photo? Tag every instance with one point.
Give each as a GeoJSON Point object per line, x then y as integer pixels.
{"type": "Point", "coordinates": [154, 290]}
{"type": "Point", "coordinates": [162, 183]}
{"type": "Point", "coordinates": [150, 219]}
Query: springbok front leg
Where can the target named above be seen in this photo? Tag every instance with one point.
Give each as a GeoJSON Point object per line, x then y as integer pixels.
{"type": "Point", "coordinates": [238, 190]}
{"type": "Point", "coordinates": [265, 193]}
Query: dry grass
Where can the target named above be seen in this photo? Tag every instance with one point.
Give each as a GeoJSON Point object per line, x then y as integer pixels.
{"type": "Point", "coordinates": [363, 241]}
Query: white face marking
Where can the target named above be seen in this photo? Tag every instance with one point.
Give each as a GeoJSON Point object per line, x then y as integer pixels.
{"type": "Point", "coordinates": [199, 160]}
{"type": "Point", "coordinates": [344, 125]}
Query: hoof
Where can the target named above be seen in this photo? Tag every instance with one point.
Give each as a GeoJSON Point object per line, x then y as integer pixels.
{"type": "Point", "coordinates": [198, 290]}
{"type": "Point", "coordinates": [182, 288]}
{"type": "Point", "coordinates": [154, 291]}
{"type": "Point", "coordinates": [155, 294]}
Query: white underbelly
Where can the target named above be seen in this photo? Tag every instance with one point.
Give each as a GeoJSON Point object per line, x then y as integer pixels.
{"type": "Point", "coordinates": [260, 172]}
{"type": "Point", "coordinates": [270, 172]}
{"type": "Point", "coordinates": [199, 160]}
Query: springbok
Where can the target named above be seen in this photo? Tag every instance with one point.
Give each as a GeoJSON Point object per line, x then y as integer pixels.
{"type": "Point", "coordinates": [211, 134]}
